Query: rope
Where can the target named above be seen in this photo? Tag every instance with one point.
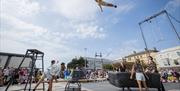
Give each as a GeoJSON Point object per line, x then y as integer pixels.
{"type": "Point", "coordinates": [159, 31]}
{"type": "Point", "coordinates": [174, 18]}
{"type": "Point", "coordinates": [152, 31]}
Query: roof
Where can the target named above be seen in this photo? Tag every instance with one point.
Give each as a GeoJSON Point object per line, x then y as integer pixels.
{"type": "Point", "coordinates": [35, 51]}
{"type": "Point", "coordinates": [13, 60]}
{"type": "Point", "coordinates": [11, 54]}
{"type": "Point", "coordinates": [171, 49]}
{"type": "Point", "coordinates": [140, 53]}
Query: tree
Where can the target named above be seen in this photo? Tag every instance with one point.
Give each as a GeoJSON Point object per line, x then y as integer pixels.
{"type": "Point", "coordinates": [108, 66]}
{"type": "Point", "coordinates": [77, 63]}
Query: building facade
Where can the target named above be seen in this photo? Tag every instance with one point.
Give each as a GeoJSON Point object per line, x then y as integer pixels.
{"type": "Point", "coordinates": [141, 55]}
{"type": "Point", "coordinates": [96, 63]}
{"type": "Point", "coordinates": [169, 57]}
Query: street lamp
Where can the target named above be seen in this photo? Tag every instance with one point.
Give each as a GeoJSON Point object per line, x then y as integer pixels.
{"type": "Point", "coordinates": [99, 55]}
{"type": "Point", "coordinates": [85, 49]}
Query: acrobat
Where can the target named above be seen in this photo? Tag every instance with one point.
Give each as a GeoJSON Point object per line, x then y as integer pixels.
{"type": "Point", "coordinates": [51, 74]}
{"type": "Point", "coordinates": [103, 3]}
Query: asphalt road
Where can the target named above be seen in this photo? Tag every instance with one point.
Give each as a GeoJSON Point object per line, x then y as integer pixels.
{"type": "Point", "coordinates": [105, 86]}
{"type": "Point", "coordinates": [95, 86]}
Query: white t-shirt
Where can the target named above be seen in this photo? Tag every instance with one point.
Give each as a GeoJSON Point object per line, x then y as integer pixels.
{"type": "Point", "coordinates": [54, 69]}
{"type": "Point", "coordinates": [6, 72]}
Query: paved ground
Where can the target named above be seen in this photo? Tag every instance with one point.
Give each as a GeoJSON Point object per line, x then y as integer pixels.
{"type": "Point", "coordinates": [105, 86]}
{"type": "Point", "coordinates": [96, 86]}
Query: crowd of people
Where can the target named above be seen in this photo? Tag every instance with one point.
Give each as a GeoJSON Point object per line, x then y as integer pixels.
{"type": "Point", "coordinates": [20, 76]}
{"type": "Point", "coordinates": [54, 72]}
{"type": "Point", "coordinates": [170, 75]}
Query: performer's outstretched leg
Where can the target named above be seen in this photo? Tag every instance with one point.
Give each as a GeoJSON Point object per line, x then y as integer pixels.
{"type": "Point", "coordinates": [111, 5]}
{"type": "Point", "coordinates": [108, 4]}
{"type": "Point", "coordinates": [50, 84]}
{"type": "Point", "coordinates": [42, 79]}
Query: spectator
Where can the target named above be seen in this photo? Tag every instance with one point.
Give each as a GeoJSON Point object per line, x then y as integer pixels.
{"type": "Point", "coordinates": [170, 76]}
{"type": "Point", "coordinates": [38, 76]}
{"type": "Point", "coordinates": [21, 76]}
{"type": "Point", "coordinates": [6, 75]}
{"type": "Point", "coordinates": [1, 77]}
{"type": "Point", "coordinates": [63, 67]}
{"type": "Point", "coordinates": [16, 76]}
{"type": "Point", "coordinates": [164, 75]}
{"type": "Point", "coordinates": [175, 75]}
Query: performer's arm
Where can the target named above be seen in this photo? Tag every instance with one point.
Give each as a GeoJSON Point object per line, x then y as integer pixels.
{"type": "Point", "coordinates": [100, 7]}
{"type": "Point", "coordinates": [132, 72]}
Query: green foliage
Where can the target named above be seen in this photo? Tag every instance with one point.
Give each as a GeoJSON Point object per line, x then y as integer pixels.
{"type": "Point", "coordinates": [108, 66]}
{"type": "Point", "coordinates": [77, 63]}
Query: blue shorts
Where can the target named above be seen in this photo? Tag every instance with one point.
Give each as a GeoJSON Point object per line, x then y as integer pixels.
{"type": "Point", "coordinates": [140, 77]}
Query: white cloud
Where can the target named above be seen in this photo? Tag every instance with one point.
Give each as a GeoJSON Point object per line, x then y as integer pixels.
{"type": "Point", "coordinates": [80, 17]}
{"type": "Point", "coordinates": [81, 14]}
{"type": "Point", "coordinates": [172, 5]}
{"type": "Point", "coordinates": [19, 29]}
{"type": "Point", "coordinates": [28, 35]}
{"type": "Point", "coordinates": [92, 31]}
{"type": "Point", "coordinates": [125, 7]}
{"type": "Point", "coordinates": [20, 8]}
{"type": "Point", "coordinates": [76, 9]}
{"type": "Point", "coordinates": [126, 48]}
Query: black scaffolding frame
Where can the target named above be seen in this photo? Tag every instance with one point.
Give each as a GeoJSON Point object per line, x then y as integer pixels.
{"type": "Point", "coordinates": [35, 55]}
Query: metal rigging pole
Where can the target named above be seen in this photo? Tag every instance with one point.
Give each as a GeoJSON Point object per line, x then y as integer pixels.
{"type": "Point", "coordinates": [154, 16]}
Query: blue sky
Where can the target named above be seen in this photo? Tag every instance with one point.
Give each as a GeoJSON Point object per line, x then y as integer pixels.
{"type": "Point", "coordinates": [63, 28]}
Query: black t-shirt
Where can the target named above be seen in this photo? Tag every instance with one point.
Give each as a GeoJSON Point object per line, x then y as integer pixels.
{"type": "Point", "coordinates": [138, 67]}
{"type": "Point", "coordinates": [123, 68]}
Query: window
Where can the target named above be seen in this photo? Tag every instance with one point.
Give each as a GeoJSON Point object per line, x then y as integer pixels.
{"type": "Point", "coordinates": [166, 62]}
{"type": "Point", "coordinates": [178, 53]}
{"type": "Point", "coordinates": [176, 62]}
{"type": "Point", "coordinates": [141, 56]}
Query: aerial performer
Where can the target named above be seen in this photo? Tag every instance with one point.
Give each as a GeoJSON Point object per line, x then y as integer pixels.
{"type": "Point", "coordinates": [103, 3]}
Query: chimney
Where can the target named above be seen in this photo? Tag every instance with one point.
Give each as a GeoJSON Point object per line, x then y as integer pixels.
{"type": "Point", "coordinates": [134, 52]}
{"type": "Point", "coordinates": [154, 48]}
{"type": "Point", "coordinates": [145, 49]}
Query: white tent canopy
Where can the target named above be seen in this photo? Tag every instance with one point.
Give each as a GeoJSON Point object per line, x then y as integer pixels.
{"type": "Point", "coordinates": [13, 60]}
